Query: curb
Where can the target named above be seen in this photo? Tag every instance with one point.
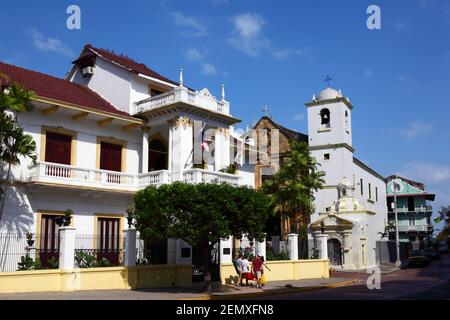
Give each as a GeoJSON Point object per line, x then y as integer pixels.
{"type": "Point", "coordinates": [247, 295]}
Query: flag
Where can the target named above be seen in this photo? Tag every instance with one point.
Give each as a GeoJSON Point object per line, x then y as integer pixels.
{"type": "Point", "coordinates": [204, 144]}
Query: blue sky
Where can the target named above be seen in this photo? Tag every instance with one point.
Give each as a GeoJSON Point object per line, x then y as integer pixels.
{"type": "Point", "coordinates": [277, 53]}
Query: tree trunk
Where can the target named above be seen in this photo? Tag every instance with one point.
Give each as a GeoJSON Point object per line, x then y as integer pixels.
{"type": "Point", "coordinates": [5, 191]}
{"type": "Point", "coordinates": [207, 286]}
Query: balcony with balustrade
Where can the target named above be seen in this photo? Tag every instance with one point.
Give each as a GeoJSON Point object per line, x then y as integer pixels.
{"type": "Point", "coordinates": [201, 103]}
{"type": "Point", "coordinates": [70, 176]}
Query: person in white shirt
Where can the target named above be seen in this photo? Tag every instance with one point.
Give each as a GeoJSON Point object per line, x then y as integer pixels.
{"type": "Point", "coordinates": [245, 267]}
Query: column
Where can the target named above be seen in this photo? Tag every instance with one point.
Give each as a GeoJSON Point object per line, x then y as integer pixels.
{"type": "Point", "coordinates": [145, 150]}
{"type": "Point", "coordinates": [67, 248]}
{"type": "Point", "coordinates": [183, 253]}
{"type": "Point", "coordinates": [218, 145]}
{"type": "Point", "coordinates": [182, 146]}
{"type": "Point", "coordinates": [323, 245]}
{"type": "Point", "coordinates": [261, 248]}
{"type": "Point", "coordinates": [129, 246]}
{"type": "Point", "coordinates": [170, 147]}
{"type": "Point", "coordinates": [225, 250]}
{"type": "Point", "coordinates": [293, 246]}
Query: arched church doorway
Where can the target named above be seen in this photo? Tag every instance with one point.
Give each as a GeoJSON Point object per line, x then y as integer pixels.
{"type": "Point", "coordinates": [157, 155]}
{"type": "Point", "coordinates": [334, 252]}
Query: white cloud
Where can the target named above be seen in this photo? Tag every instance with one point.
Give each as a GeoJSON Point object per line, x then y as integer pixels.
{"type": "Point", "coordinates": [426, 172]}
{"type": "Point", "coordinates": [43, 43]}
{"type": "Point", "coordinates": [416, 129]}
{"type": "Point", "coordinates": [435, 176]}
{"type": "Point", "coordinates": [193, 54]}
{"type": "Point", "coordinates": [282, 54]}
{"type": "Point", "coordinates": [191, 26]}
{"type": "Point", "coordinates": [368, 74]}
{"type": "Point", "coordinates": [208, 69]}
{"type": "Point", "coordinates": [299, 117]}
{"type": "Point", "coordinates": [248, 38]}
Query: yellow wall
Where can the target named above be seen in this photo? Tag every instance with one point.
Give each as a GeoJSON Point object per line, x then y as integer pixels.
{"type": "Point", "coordinates": [96, 279]}
{"type": "Point", "coordinates": [283, 270]}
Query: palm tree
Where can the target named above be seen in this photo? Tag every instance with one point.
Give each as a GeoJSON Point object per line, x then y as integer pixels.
{"type": "Point", "coordinates": [14, 144]}
{"type": "Point", "coordinates": [291, 188]}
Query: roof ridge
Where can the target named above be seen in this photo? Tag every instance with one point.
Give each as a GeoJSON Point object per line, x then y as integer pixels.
{"type": "Point", "coordinates": [116, 57]}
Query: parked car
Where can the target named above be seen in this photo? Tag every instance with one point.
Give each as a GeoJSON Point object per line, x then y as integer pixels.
{"type": "Point", "coordinates": [443, 246]}
{"type": "Point", "coordinates": [432, 254]}
{"type": "Point", "coordinates": [418, 258]}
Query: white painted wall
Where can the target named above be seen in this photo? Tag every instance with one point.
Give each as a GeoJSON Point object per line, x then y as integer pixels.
{"type": "Point", "coordinates": [87, 133]}
{"type": "Point", "coordinates": [111, 82]}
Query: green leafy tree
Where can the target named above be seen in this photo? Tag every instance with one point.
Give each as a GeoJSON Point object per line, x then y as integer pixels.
{"type": "Point", "coordinates": [291, 188]}
{"type": "Point", "coordinates": [200, 214]}
{"type": "Point", "coordinates": [14, 143]}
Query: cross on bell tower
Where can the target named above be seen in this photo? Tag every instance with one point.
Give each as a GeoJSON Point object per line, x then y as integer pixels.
{"type": "Point", "coordinates": [266, 111]}
{"type": "Point", "coordinates": [327, 80]}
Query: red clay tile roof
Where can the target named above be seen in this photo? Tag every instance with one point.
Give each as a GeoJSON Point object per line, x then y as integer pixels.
{"type": "Point", "coordinates": [46, 86]}
{"type": "Point", "coordinates": [128, 63]}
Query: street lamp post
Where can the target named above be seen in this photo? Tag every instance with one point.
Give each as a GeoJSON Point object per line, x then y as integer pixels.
{"type": "Point", "coordinates": [397, 243]}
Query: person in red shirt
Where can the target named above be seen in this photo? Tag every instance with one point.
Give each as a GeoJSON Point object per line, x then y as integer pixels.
{"type": "Point", "coordinates": [257, 265]}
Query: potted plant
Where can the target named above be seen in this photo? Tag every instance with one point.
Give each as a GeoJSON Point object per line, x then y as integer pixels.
{"type": "Point", "coordinates": [67, 217]}
{"type": "Point", "coordinates": [130, 213]}
{"type": "Point", "coordinates": [30, 240]}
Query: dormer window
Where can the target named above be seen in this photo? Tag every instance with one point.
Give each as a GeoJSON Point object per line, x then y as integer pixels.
{"type": "Point", "coordinates": [325, 118]}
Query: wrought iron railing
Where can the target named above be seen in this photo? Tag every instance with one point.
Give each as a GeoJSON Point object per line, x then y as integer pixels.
{"type": "Point", "coordinates": [35, 252]}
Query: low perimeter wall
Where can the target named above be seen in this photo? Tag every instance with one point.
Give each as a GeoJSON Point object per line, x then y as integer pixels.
{"type": "Point", "coordinates": [283, 270]}
{"type": "Point", "coordinates": [96, 279]}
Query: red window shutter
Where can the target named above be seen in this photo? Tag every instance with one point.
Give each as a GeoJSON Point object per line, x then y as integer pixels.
{"type": "Point", "coordinates": [58, 148]}
{"type": "Point", "coordinates": [110, 157]}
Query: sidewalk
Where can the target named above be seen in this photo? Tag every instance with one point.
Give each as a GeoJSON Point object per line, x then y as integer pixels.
{"type": "Point", "coordinates": [220, 292]}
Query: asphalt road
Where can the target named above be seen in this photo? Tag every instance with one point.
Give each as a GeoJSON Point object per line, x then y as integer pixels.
{"type": "Point", "coordinates": [432, 282]}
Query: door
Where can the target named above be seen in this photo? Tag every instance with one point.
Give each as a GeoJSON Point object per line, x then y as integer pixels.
{"type": "Point", "coordinates": [58, 150]}
{"type": "Point", "coordinates": [108, 245]}
{"type": "Point", "coordinates": [111, 160]}
{"type": "Point", "coordinates": [157, 156]}
{"type": "Point", "coordinates": [334, 252]}
{"type": "Point", "coordinates": [49, 241]}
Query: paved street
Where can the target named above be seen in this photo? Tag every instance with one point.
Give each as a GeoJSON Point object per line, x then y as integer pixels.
{"type": "Point", "coordinates": [194, 292]}
{"type": "Point", "coordinates": [432, 282]}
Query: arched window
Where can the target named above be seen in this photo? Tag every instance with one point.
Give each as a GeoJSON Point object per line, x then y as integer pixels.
{"type": "Point", "coordinates": [325, 118]}
{"type": "Point", "coordinates": [157, 155]}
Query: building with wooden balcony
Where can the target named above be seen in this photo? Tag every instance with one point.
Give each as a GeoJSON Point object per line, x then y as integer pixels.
{"type": "Point", "coordinates": [413, 210]}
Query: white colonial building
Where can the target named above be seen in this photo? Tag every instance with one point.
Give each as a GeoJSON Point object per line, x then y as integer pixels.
{"type": "Point", "coordinates": [111, 128]}
{"type": "Point", "coordinates": [351, 210]}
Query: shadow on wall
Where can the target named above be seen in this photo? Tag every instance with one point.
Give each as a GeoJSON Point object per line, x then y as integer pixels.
{"type": "Point", "coordinates": [17, 215]}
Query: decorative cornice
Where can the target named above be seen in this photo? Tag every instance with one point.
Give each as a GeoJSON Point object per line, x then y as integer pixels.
{"type": "Point", "coordinates": [333, 146]}
{"type": "Point", "coordinates": [328, 101]}
{"type": "Point", "coordinates": [184, 121]}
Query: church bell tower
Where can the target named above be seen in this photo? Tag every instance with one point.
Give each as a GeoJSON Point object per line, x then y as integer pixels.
{"type": "Point", "coordinates": [330, 137]}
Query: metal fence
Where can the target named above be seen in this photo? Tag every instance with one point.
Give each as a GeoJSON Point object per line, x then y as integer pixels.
{"type": "Point", "coordinates": [150, 252]}
{"type": "Point", "coordinates": [95, 251]}
{"type": "Point", "coordinates": [35, 252]}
